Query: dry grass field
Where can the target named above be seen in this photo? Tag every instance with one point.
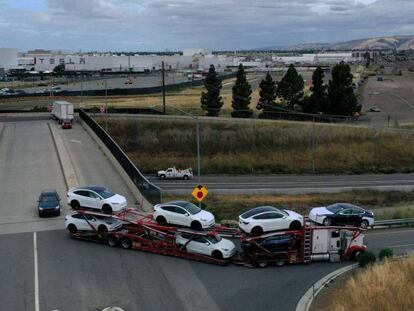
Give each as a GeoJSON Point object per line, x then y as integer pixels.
{"type": "Point", "coordinates": [387, 286]}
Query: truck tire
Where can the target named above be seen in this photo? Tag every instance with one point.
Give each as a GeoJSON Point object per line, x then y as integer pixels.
{"type": "Point", "coordinates": [262, 264]}
{"type": "Point", "coordinates": [162, 176]}
{"type": "Point", "coordinates": [126, 243]}
{"type": "Point", "coordinates": [185, 177]}
{"type": "Point", "coordinates": [112, 240]}
{"type": "Point", "coordinates": [280, 261]}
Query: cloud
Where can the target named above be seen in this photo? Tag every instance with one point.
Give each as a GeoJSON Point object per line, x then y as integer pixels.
{"type": "Point", "coordinates": [219, 24]}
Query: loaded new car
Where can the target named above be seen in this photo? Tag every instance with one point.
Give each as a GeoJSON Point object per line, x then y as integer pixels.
{"type": "Point", "coordinates": [48, 203]}
{"type": "Point", "coordinates": [183, 213]}
{"type": "Point", "coordinates": [268, 218]}
{"type": "Point", "coordinates": [96, 197]}
{"type": "Point", "coordinates": [210, 245]}
{"type": "Point", "coordinates": [342, 214]}
{"type": "Point", "coordinates": [86, 222]}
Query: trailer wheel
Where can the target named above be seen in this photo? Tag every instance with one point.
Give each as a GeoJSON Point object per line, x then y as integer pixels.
{"type": "Point", "coordinates": [280, 261]}
{"type": "Point", "coordinates": [185, 177]}
{"type": "Point", "coordinates": [195, 225]}
{"type": "Point", "coordinates": [262, 264]}
{"type": "Point", "coordinates": [112, 241]}
{"type": "Point", "coordinates": [217, 255]}
{"type": "Point", "coordinates": [75, 204]}
{"type": "Point", "coordinates": [72, 228]}
{"type": "Point", "coordinates": [107, 209]}
{"type": "Point", "coordinates": [161, 220]}
{"type": "Point", "coordinates": [126, 243]}
{"type": "Point", "coordinates": [257, 231]}
{"type": "Point", "coordinates": [327, 222]}
{"type": "Point", "coordinates": [162, 176]}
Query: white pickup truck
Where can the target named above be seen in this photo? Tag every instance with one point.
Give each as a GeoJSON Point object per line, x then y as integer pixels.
{"type": "Point", "coordinates": [176, 173]}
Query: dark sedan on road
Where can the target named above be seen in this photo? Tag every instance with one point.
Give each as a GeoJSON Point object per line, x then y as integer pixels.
{"type": "Point", "coordinates": [48, 203]}
{"type": "Point", "coordinates": [342, 214]}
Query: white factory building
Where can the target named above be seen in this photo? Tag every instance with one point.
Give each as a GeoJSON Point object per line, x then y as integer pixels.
{"type": "Point", "coordinates": [196, 59]}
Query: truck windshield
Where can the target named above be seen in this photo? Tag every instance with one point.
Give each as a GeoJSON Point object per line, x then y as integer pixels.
{"type": "Point", "coordinates": [191, 208]}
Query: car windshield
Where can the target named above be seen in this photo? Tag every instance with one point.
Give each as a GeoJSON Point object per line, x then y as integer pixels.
{"type": "Point", "coordinates": [214, 238]}
{"type": "Point", "coordinates": [190, 207]}
{"type": "Point", "coordinates": [105, 193]}
{"type": "Point", "coordinates": [48, 198]}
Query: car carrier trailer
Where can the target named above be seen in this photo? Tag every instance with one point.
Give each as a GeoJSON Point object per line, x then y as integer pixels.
{"type": "Point", "coordinates": [311, 243]}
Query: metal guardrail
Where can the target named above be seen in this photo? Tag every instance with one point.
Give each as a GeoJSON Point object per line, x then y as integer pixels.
{"type": "Point", "coordinates": [151, 192]}
{"type": "Point", "coordinates": [389, 223]}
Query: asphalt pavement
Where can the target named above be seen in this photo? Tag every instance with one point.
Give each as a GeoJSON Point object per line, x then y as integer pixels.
{"type": "Point", "coordinates": [289, 184]}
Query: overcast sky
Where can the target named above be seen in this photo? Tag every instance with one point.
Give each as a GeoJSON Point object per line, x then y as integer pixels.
{"type": "Point", "coordinates": [158, 25]}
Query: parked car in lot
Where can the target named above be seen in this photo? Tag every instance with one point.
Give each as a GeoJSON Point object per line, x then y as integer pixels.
{"type": "Point", "coordinates": [342, 214]}
{"type": "Point", "coordinates": [48, 203]}
{"type": "Point", "coordinates": [176, 173]}
{"type": "Point", "coordinates": [66, 124]}
{"type": "Point", "coordinates": [86, 222]}
{"type": "Point", "coordinates": [268, 218]}
{"type": "Point", "coordinates": [184, 214]}
{"type": "Point", "coordinates": [96, 197]}
{"type": "Point", "coordinates": [210, 245]}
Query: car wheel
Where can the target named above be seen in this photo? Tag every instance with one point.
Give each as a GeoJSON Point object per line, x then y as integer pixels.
{"type": "Point", "coordinates": [185, 177]}
{"type": "Point", "coordinates": [107, 209]}
{"type": "Point", "coordinates": [102, 229]}
{"type": "Point", "coordinates": [327, 222]}
{"type": "Point", "coordinates": [364, 224]}
{"type": "Point", "coordinates": [126, 243]}
{"type": "Point", "coordinates": [112, 240]}
{"type": "Point", "coordinates": [161, 220]}
{"type": "Point", "coordinates": [295, 225]}
{"type": "Point", "coordinates": [75, 204]}
{"type": "Point", "coordinates": [256, 231]}
{"type": "Point", "coordinates": [162, 176]}
{"type": "Point", "coordinates": [195, 225]}
{"type": "Point", "coordinates": [217, 255]}
{"type": "Point", "coordinates": [72, 228]}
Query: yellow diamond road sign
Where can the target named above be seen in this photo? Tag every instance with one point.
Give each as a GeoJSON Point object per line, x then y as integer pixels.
{"type": "Point", "coordinates": [199, 193]}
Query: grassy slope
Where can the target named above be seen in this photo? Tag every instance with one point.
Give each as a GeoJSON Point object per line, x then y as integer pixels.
{"type": "Point", "coordinates": [386, 205]}
{"type": "Point", "coordinates": [279, 147]}
{"type": "Point", "coordinates": [387, 286]}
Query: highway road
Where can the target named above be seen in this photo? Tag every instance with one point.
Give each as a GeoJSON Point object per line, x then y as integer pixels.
{"type": "Point", "coordinates": [289, 184]}
{"type": "Point", "coordinates": [43, 268]}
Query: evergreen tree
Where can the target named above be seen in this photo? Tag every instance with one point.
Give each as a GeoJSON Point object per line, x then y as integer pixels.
{"type": "Point", "coordinates": [267, 97]}
{"type": "Point", "coordinates": [318, 101]}
{"type": "Point", "coordinates": [241, 96]}
{"type": "Point", "coordinates": [211, 100]}
{"type": "Point", "coordinates": [59, 69]}
{"type": "Point", "coordinates": [342, 100]}
{"type": "Point", "coordinates": [290, 88]}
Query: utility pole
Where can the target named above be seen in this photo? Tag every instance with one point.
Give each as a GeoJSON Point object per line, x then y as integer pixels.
{"type": "Point", "coordinates": [163, 86]}
{"type": "Point", "coordinates": [106, 105]}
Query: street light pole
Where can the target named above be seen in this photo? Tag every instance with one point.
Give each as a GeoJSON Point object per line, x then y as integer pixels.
{"type": "Point", "coordinates": [163, 87]}
{"type": "Point", "coordinates": [106, 106]}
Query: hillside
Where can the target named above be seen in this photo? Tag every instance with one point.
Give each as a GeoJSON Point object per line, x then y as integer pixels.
{"type": "Point", "coordinates": [378, 43]}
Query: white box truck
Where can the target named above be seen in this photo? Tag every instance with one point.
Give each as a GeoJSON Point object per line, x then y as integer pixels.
{"type": "Point", "coordinates": [62, 111]}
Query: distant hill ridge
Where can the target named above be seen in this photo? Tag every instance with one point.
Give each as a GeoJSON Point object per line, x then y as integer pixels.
{"type": "Point", "coordinates": [378, 43]}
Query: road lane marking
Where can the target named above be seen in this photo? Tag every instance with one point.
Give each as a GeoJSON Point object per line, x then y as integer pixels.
{"type": "Point", "coordinates": [402, 245]}
{"type": "Point", "coordinates": [36, 273]}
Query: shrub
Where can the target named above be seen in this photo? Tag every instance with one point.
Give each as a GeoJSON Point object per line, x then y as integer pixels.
{"type": "Point", "coordinates": [366, 259]}
{"type": "Point", "coordinates": [385, 253]}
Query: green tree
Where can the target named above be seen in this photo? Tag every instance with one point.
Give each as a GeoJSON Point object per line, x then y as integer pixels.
{"type": "Point", "coordinates": [211, 100]}
{"type": "Point", "coordinates": [318, 101]}
{"type": "Point", "coordinates": [242, 92]}
{"type": "Point", "coordinates": [290, 88]}
{"type": "Point", "coordinates": [267, 97]}
{"type": "Point", "coordinates": [59, 69]}
{"type": "Point", "coordinates": [342, 100]}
